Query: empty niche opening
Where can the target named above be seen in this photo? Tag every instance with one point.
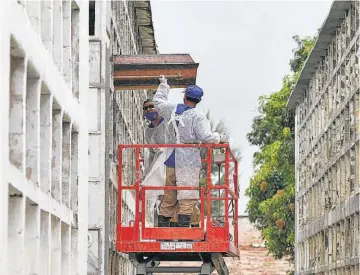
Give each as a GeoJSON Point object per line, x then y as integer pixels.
{"type": "Point", "coordinates": [32, 236]}
{"type": "Point", "coordinates": [33, 12]}
{"type": "Point", "coordinates": [66, 56]}
{"type": "Point", "coordinates": [56, 159]}
{"type": "Point", "coordinates": [75, 27]}
{"type": "Point", "coordinates": [115, 210]}
{"type": "Point", "coordinates": [46, 24]}
{"type": "Point", "coordinates": [74, 169]}
{"type": "Point", "coordinates": [66, 159]}
{"type": "Point", "coordinates": [348, 237]}
{"type": "Point", "coordinates": [117, 120]}
{"type": "Point", "coordinates": [58, 34]}
{"type": "Point", "coordinates": [357, 233]}
{"type": "Point", "coordinates": [45, 139]}
{"type": "Point", "coordinates": [356, 171]}
{"type": "Point", "coordinates": [32, 123]}
{"type": "Point", "coordinates": [55, 245]}
{"type": "Point", "coordinates": [74, 249]}
{"type": "Point", "coordinates": [352, 235]}
{"type": "Point", "coordinates": [45, 242]}
{"type": "Point", "coordinates": [16, 102]}
{"type": "Point", "coordinates": [65, 248]}
{"type": "Point", "coordinates": [111, 207]}
{"type": "Point", "coordinates": [92, 18]}
{"type": "Point", "coordinates": [16, 229]}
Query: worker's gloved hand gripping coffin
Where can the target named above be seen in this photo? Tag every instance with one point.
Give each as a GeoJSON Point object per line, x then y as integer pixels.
{"type": "Point", "coordinates": [137, 72]}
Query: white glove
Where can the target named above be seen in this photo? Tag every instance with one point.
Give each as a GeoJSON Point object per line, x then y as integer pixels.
{"type": "Point", "coordinates": [163, 80]}
{"type": "Point", "coordinates": [223, 138]}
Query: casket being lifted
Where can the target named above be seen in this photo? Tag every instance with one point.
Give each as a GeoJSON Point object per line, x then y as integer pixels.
{"type": "Point", "coordinates": [136, 72]}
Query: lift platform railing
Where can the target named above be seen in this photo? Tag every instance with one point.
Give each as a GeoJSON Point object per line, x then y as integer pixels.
{"type": "Point", "coordinates": [137, 237]}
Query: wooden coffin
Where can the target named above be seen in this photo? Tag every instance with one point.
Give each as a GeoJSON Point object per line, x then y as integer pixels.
{"type": "Point", "coordinates": [136, 72]}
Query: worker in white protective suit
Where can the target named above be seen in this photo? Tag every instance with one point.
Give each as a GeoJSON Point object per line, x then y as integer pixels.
{"type": "Point", "coordinates": [154, 172]}
{"type": "Point", "coordinates": [186, 125]}
{"type": "Point", "coordinates": [155, 133]}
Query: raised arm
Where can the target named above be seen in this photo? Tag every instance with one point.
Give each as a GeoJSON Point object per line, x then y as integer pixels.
{"type": "Point", "coordinates": [162, 106]}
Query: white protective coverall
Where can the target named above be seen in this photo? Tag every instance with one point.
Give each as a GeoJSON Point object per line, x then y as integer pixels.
{"type": "Point", "coordinates": [155, 158]}
{"type": "Point", "coordinates": [193, 127]}
{"type": "Point", "coordinates": [155, 171]}
{"type": "Point", "coordinates": [154, 135]}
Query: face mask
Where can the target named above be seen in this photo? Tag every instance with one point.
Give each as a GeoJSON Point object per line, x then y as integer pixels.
{"type": "Point", "coordinates": [151, 116]}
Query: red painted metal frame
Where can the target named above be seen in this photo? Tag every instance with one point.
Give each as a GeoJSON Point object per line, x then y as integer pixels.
{"type": "Point", "coordinates": [138, 238]}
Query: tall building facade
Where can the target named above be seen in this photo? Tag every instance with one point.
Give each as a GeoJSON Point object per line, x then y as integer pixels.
{"type": "Point", "coordinates": [326, 99]}
{"type": "Point", "coordinates": [44, 137]}
{"type": "Point", "coordinates": [115, 117]}
{"type": "Point", "coordinates": [61, 122]}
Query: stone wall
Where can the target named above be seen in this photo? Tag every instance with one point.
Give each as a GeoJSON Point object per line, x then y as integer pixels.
{"type": "Point", "coordinates": [327, 149]}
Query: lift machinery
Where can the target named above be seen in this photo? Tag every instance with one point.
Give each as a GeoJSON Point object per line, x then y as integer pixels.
{"type": "Point", "coordinates": [148, 246]}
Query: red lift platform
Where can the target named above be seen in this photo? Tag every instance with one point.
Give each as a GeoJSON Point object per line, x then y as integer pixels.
{"type": "Point", "coordinates": [213, 240]}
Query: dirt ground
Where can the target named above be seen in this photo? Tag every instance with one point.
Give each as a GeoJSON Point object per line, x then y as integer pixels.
{"type": "Point", "coordinates": [253, 260]}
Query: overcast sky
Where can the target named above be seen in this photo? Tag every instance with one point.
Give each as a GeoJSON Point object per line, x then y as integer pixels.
{"type": "Point", "coordinates": [243, 48]}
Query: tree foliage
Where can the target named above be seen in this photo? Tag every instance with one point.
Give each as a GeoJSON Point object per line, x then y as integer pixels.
{"type": "Point", "coordinates": [272, 186]}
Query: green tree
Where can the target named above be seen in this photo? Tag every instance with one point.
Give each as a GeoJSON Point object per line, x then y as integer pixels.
{"type": "Point", "coordinates": [272, 186]}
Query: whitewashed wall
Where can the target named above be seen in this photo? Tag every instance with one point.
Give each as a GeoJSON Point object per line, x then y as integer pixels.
{"type": "Point", "coordinates": [44, 137]}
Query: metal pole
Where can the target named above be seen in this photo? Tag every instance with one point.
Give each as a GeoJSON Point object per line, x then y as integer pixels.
{"type": "Point", "coordinates": [219, 192]}
{"type": "Point", "coordinates": [208, 185]}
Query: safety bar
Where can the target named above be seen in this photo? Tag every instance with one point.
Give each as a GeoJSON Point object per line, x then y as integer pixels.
{"type": "Point", "coordinates": [205, 191]}
{"type": "Point", "coordinates": [145, 188]}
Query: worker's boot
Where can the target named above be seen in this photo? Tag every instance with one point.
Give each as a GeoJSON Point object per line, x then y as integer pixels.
{"type": "Point", "coordinates": [184, 220]}
{"type": "Point", "coordinates": [163, 221]}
